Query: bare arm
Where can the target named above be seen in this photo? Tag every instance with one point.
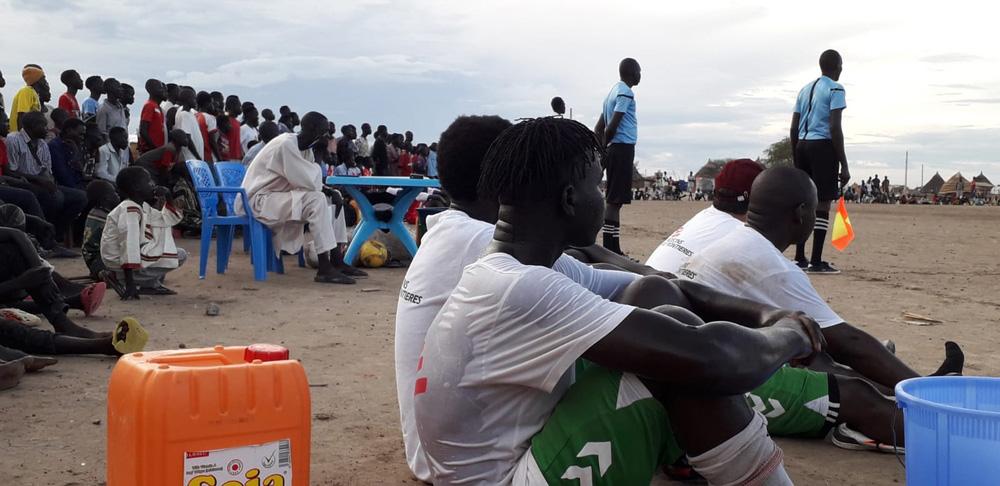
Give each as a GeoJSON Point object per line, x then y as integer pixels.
{"type": "Point", "coordinates": [718, 357]}
{"type": "Point", "coordinates": [793, 132]}
{"type": "Point", "coordinates": [837, 134]}
{"type": "Point", "coordinates": [599, 254]}
{"type": "Point", "coordinates": [144, 134]}
{"type": "Point", "coordinates": [612, 129]}
{"type": "Point", "coordinates": [712, 305]}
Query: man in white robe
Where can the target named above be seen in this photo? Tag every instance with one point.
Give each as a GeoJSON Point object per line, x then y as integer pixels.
{"type": "Point", "coordinates": [284, 186]}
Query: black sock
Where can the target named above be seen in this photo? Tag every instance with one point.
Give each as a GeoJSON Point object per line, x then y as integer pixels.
{"type": "Point", "coordinates": [819, 236]}
{"type": "Point", "coordinates": [954, 360]}
{"type": "Point", "coordinates": [800, 252]}
{"type": "Point", "coordinates": [612, 233]}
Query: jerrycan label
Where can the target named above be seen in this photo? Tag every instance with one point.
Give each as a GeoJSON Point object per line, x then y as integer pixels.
{"type": "Point", "coordinates": [267, 464]}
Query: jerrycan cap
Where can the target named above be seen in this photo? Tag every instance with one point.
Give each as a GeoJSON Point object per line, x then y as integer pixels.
{"type": "Point", "coordinates": [265, 352]}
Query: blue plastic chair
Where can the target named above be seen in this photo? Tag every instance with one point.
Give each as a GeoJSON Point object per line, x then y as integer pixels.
{"type": "Point", "coordinates": [208, 195]}
{"type": "Point", "coordinates": [231, 174]}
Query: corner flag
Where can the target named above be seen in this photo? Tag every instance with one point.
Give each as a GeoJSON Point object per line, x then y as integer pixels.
{"type": "Point", "coordinates": [843, 233]}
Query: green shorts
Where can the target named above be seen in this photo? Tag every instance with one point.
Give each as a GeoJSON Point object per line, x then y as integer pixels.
{"type": "Point", "coordinates": [797, 402]}
{"type": "Point", "coordinates": [607, 428]}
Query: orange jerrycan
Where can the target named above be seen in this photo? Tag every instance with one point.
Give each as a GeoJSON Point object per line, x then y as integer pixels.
{"type": "Point", "coordinates": [222, 416]}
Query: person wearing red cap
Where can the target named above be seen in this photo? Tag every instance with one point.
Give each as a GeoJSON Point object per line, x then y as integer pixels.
{"type": "Point", "coordinates": [728, 211]}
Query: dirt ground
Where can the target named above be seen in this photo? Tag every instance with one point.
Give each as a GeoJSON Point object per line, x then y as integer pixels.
{"type": "Point", "coordinates": [936, 261]}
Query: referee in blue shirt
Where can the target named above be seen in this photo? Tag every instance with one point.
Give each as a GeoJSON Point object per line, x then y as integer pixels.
{"type": "Point", "coordinates": [617, 129]}
{"type": "Point", "coordinates": [818, 148]}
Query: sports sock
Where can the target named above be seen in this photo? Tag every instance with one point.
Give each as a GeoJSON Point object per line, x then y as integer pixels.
{"type": "Point", "coordinates": [800, 252]}
{"type": "Point", "coordinates": [749, 457]}
{"type": "Point", "coordinates": [612, 234]}
{"type": "Point", "coordinates": [819, 236]}
{"type": "Point", "coordinates": [954, 360]}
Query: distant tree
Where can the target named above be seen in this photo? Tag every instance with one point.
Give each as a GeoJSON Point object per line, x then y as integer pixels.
{"type": "Point", "coordinates": [779, 153]}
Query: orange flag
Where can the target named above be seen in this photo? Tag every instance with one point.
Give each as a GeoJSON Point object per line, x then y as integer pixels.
{"type": "Point", "coordinates": [843, 233]}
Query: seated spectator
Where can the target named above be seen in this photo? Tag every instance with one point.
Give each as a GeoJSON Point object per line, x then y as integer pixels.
{"type": "Point", "coordinates": [137, 243]}
{"type": "Point", "coordinates": [96, 87]}
{"type": "Point", "coordinates": [165, 163]}
{"type": "Point", "coordinates": [104, 198]}
{"type": "Point", "coordinates": [30, 160]}
{"type": "Point", "coordinates": [29, 98]}
{"type": "Point", "coordinates": [14, 190]}
{"type": "Point", "coordinates": [268, 130]}
{"type": "Point", "coordinates": [113, 156]}
{"type": "Point", "coordinates": [55, 117]}
{"type": "Point", "coordinates": [285, 190]}
{"type": "Point", "coordinates": [67, 154]}
{"type": "Point", "coordinates": [112, 112]}
{"type": "Point", "coordinates": [22, 274]}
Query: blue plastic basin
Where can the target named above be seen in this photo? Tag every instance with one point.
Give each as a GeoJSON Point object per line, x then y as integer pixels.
{"type": "Point", "coordinates": [952, 430]}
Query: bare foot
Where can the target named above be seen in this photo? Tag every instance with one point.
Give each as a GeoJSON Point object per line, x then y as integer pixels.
{"type": "Point", "coordinates": [11, 373]}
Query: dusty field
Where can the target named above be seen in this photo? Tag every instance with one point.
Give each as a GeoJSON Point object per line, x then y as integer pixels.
{"type": "Point", "coordinates": [936, 261]}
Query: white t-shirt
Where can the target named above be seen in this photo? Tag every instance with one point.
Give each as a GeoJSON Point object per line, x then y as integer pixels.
{"type": "Point", "coordinates": [746, 264]}
{"type": "Point", "coordinates": [453, 241]}
{"type": "Point", "coordinates": [186, 120]}
{"type": "Point", "coordinates": [247, 135]}
{"type": "Point", "coordinates": [497, 359]}
{"type": "Point", "coordinates": [702, 230]}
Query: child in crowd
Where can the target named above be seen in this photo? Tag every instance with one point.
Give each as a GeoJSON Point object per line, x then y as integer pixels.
{"type": "Point", "coordinates": [113, 156]}
{"type": "Point", "coordinates": [103, 196]}
{"type": "Point", "coordinates": [137, 243]}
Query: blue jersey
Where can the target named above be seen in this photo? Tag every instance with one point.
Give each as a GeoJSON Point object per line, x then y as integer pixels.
{"type": "Point", "coordinates": [622, 100]}
{"type": "Point", "coordinates": [816, 101]}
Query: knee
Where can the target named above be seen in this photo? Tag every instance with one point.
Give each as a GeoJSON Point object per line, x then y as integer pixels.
{"type": "Point", "coordinates": [314, 204]}
{"type": "Point", "coordinates": [652, 291]}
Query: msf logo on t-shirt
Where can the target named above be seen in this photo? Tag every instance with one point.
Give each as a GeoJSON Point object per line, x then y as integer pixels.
{"type": "Point", "coordinates": [409, 296]}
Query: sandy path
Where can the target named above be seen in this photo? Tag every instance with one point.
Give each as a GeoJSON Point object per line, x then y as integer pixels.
{"type": "Point", "coordinates": [937, 261]}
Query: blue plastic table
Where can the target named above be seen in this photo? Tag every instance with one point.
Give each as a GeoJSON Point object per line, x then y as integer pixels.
{"type": "Point", "coordinates": [409, 189]}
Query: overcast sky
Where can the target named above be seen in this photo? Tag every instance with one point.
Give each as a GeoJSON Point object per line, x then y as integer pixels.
{"type": "Point", "coordinates": [719, 78]}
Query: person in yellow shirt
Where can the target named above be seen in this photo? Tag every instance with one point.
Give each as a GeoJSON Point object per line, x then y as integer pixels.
{"type": "Point", "coordinates": [28, 98]}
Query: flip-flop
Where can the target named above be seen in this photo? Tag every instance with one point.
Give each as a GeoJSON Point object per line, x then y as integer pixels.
{"type": "Point", "coordinates": [91, 297]}
{"type": "Point", "coordinates": [36, 363]}
{"type": "Point", "coordinates": [161, 290]}
{"type": "Point", "coordinates": [334, 279]}
{"type": "Point", "coordinates": [129, 336]}
{"type": "Point", "coordinates": [18, 315]}
{"type": "Point", "coordinates": [11, 373]}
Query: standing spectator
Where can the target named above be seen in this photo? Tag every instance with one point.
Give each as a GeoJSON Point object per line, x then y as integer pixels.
{"type": "Point", "coordinates": [229, 127]}
{"type": "Point", "coordinates": [364, 150]}
{"type": "Point", "coordinates": [692, 181]}
{"type": "Point", "coordinates": [152, 123]}
{"type": "Point", "coordinates": [66, 151]}
{"type": "Point", "coordinates": [408, 142]}
{"type": "Point", "coordinates": [267, 115]}
{"type": "Point", "coordinates": [380, 155]}
{"type": "Point", "coordinates": [111, 113]}
{"type": "Point", "coordinates": [68, 101]}
{"type": "Point", "coordinates": [818, 148]}
{"type": "Point", "coordinates": [171, 97]}
{"type": "Point", "coordinates": [618, 130]}
{"type": "Point", "coordinates": [346, 151]}
{"type": "Point", "coordinates": [558, 106]}
{"type": "Point", "coordinates": [113, 156]}
{"type": "Point", "coordinates": [249, 128]}
{"type": "Point", "coordinates": [28, 98]}
{"type": "Point", "coordinates": [30, 160]}
{"type": "Point", "coordinates": [208, 127]}
{"type": "Point", "coordinates": [96, 87]}
{"type": "Point", "coordinates": [432, 160]}
{"type": "Point", "coordinates": [185, 119]}
{"type": "Point", "coordinates": [128, 98]}
{"type": "Point", "coordinates": [3, 108]}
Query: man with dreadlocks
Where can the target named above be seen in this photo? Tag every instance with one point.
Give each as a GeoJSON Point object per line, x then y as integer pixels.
{"type": "Point", "coordinates": [617, 129]}
{"type": "Point", "coordinates": [496, 397]}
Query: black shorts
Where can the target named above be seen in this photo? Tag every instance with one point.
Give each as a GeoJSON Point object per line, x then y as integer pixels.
{"type": "Point", "coordinates": [819, 160]}
{"type": "Point", "coordinates": [618, 163]}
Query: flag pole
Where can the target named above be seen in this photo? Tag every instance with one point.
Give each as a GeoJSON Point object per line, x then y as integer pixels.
{"type": "Point", "coordinates": [906, 173]}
